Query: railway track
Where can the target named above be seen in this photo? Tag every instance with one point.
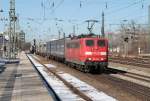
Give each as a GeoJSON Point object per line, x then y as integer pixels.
{"type": "Point", "coordinates": [135, 89]}
{"type": "Point", "coordinates": [86, 92]}
{"type": "Point", "coordinates": [128, 81]}
{"type": "Point", "coordinates": [138, 61]}
{"type": "Point", "coordinates": [138, 76]}
{"type": "Point", "coordinates": [135, 83]}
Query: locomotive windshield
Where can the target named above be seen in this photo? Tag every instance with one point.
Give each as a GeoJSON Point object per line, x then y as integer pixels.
{"type": "Point", "coordinates": [101, 43]}
{"type": "Point", "coordinates": [89, 42]}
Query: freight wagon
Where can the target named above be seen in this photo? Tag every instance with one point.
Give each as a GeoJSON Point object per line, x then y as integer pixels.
{"type": "Point", "coordinates": [55, 49]}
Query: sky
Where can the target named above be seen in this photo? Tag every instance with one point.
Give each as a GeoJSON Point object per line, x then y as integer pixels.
{"type": "Point", "coordinates": [43, 19]}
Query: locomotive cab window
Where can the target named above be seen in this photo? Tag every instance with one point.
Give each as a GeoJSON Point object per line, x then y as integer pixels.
{"type": "Point", "coordinates": [89, 42]}
{"type": "Point", "coordinates": [101, 43]}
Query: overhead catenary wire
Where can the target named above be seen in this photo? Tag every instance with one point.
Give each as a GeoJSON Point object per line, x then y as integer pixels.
{"type": "Point", "coordinates": [128, 16]}
{"type": "Point", "coordinates": [55, 4]}
{"type": "Point", "coordinates": [107, 6]}
{"type": "Point", "coordinates": [58, 5]}
{"type": "Point", "coordinates": [125, 7]}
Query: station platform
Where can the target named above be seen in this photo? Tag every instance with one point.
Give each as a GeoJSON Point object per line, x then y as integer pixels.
{"type": "Point", "coordinates": [21, 82]}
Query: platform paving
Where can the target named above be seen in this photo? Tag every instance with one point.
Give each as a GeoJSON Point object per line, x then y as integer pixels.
{"type": "Point", "coordinates": [21, 82]}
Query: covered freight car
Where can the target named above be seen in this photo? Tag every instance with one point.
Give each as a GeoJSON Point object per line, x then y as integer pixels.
{"type": "Point", "coordinates": [41, 49]}
{"type": "Point", "coordinates": [55, 49]}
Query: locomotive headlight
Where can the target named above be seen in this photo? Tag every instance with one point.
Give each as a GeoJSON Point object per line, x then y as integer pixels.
{"type": "Point", "coordinates": [102, 59]}
{"type": "Point", "coordinates": [88, 53]}
{"type": "Point", "coordinates": [89, 59]}
{"type": "Point", "coordinates": [102, 53]}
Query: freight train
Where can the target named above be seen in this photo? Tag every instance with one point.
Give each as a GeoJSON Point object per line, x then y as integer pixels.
{"type": "Point", "coordinates": [88, 54]}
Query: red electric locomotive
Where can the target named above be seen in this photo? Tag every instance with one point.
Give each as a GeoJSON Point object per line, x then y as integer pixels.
{"type": "Point", "coordinates": [88, 54]}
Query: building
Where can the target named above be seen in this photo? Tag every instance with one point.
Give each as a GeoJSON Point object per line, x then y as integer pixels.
{"type": "Point", "coordinates": [3, 44]}
{"type": "Point", "coordinates": [22, 36]}
{"type": "Point", "coordinates": [21, 40]}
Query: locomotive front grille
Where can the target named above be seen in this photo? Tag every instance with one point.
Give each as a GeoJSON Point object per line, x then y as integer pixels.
{"type": "Point", "coordinates": [97, 63]}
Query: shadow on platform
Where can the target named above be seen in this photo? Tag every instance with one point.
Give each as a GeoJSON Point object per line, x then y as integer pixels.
{"type": "Point", "coordinates": [2, 69]}
{"type": "Point", "coordinates": [8, 88]}
{"type": "Point", "coordinates": [113, 71]}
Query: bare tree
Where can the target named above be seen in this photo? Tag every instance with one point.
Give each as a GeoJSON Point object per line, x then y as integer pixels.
{"type": "Point", "coordinates": [132, 39]}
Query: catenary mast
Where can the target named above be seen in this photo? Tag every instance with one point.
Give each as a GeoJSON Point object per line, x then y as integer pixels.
{"type": "Point", "coordinates": [12, 33]}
